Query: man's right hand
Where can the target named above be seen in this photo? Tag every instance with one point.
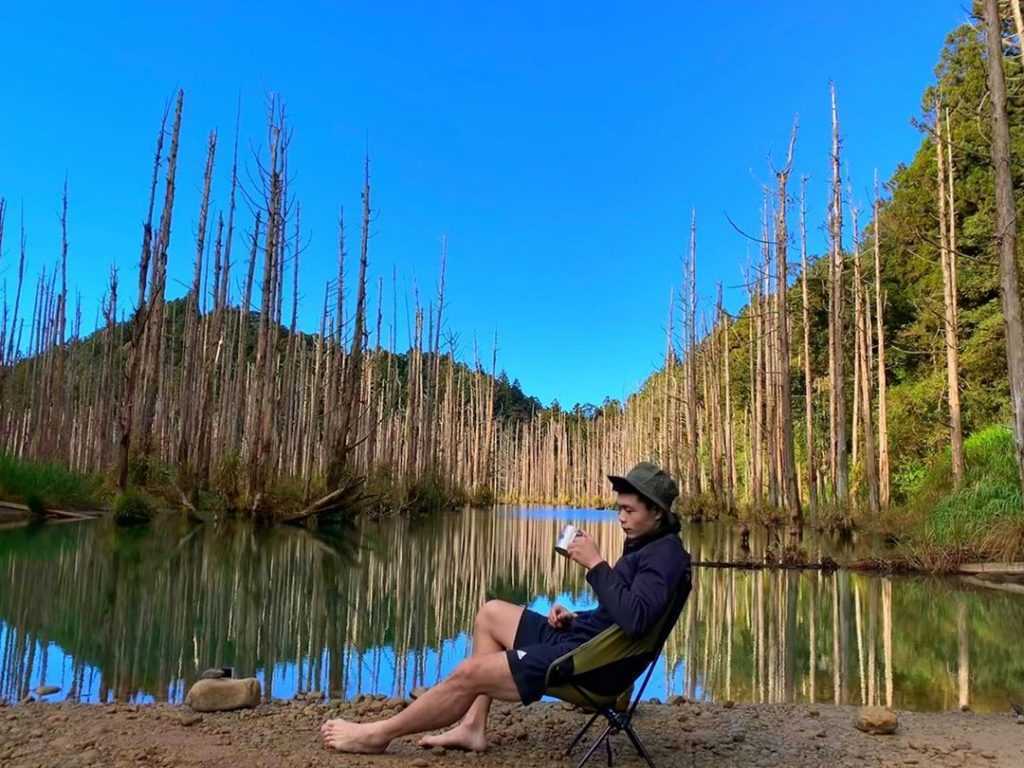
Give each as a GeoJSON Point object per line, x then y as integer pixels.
{"type": "Point", "coordinates": [560, 617]}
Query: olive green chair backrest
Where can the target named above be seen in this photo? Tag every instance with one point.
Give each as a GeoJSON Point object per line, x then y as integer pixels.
{"type": "Point", "coordinates": [570, 677]}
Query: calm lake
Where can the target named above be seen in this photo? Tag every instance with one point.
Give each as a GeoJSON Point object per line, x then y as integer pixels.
{"type": "Point", "coordinates": [383, 607]}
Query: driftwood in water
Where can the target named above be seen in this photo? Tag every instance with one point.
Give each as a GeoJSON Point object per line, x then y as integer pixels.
{"type": "Point", "coordinates": [825, 564]}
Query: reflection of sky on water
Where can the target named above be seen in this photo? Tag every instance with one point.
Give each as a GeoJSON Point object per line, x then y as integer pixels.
{"type": "Point", "coordinates": [566, 514]}
{"type": "Point", "coordinates": [369, 672]}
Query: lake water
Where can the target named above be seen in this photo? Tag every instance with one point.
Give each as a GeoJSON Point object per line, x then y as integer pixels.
{"type": "Point", "coordinates": [136, 615]}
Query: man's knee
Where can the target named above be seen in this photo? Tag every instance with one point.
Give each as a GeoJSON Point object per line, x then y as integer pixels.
{"type": "Point", "coordinates": [488, 613]}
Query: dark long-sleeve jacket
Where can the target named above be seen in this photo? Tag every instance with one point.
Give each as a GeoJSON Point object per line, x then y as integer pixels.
{"type": "Point", "coordinates": [635, 594]}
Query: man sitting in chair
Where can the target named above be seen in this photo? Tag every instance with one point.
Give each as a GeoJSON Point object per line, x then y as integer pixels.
{"type": "Point", "coordinates": [513, 647]}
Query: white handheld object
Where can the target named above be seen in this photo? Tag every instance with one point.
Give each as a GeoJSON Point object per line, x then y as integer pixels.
{"type": "Point", "coordinates": [565, 538]}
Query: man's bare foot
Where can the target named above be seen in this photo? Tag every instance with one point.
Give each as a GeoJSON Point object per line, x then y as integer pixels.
{"type": "Point", "coordinates": [459, 737]}
{"type": "Point", "coordinates": [360, 738]}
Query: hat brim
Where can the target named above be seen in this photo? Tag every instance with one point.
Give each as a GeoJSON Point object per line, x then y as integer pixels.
{"type": "Point", "coordinates": [622, 485]}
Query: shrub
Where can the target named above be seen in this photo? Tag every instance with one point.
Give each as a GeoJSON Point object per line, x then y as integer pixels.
{"type": "Point", "coordinates": [133, 508]}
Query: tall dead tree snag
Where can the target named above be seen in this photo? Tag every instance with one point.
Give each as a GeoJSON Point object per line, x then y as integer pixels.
{"type": "Point", "coordinates": [837, 400]}
{"type": "Point", "coordinates": [341, 444]}
{"type": "Point", "coordinates": [1006, 226]}
{"type": "Point", "coordinates": [690, 362]}
{"type": "Point", "coordinates": [153, 259]}
{"type": "Point", "coordinates": [264, 389]}
{"type": "Point", "coordinates": [883, 417]}
{"type": "Point", "coordinates": [812, 475]}
{"type": "Point", "coordinates": [947, 256]}
{"type": "Point", "coordinates": [790, 494]}
{"type": "Point", "coordinates": [862, 376]}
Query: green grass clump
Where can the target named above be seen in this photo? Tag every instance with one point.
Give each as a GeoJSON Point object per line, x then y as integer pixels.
{"type": "Point", "coordinates": [41, 485]}
{"type": "Point", "coordinates": [984, 518]}
{"type": "Point", "coordinates": [990, 494]}
{"type": "Point", "coordinates": [133, 507]}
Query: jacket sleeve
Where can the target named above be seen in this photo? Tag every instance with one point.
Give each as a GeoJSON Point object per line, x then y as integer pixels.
{"type": "Point", "coordinates": [638, 606]}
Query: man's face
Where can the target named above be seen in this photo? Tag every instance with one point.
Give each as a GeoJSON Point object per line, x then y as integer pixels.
{"type": "Point", "coordinates": [635, 517]}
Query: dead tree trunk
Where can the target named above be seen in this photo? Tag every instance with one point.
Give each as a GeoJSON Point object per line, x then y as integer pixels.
{"type": "Point", "coordinates": [693, 458]}
{"type": "Point", "coordinates": [949, 293]}
{"type": "Point", "coordinates": [837, 400]}
{"type": "Point", "coordinates": [883, 417]}
{"type": "Point", "coordinates": [790, 493]}
{"type": "Point", "coordinates": [1006, 227]}
{"type": "Point", "coordinates": [812, 492]}
{"type": "Point", "coordinates": [341, 446]}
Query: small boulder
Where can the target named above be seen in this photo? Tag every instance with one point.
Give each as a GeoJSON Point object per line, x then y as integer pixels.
{"type": "Point", "coordinates": [47, 690]}
{"type": "Point", "coordinates": [677, 701]}
{"type": "Point", "coordinates": [221, 695]}
{"type": "Point", "coordinates": [876, 720]}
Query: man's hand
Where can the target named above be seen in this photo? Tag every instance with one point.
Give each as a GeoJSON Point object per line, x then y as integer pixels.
{"type": "Point", "coordinates": [560, 617]}
{"type": "Point", "coordinates": [584, 551]}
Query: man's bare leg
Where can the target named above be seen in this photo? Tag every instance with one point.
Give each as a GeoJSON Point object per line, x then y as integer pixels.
{"type": "Point", "coordinates": [493, 631]}
{"type": "Point", "coordinates": [488, 675]}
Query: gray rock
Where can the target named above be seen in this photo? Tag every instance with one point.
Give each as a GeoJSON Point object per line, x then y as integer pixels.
{"type": "Point", "coordinates": [876, 720]}
{"type": "Point", "coordinates": [47, 690]}
{"type": "Point", "coordinates": [221, 695]}
{"type": "Point", "coordinates": [214, 673]}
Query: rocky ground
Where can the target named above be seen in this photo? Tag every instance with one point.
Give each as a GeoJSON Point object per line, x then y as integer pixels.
{"type": "Point", "coordinates": [678, 734]}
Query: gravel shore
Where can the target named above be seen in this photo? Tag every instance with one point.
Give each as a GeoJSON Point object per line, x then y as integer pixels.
{"type": "Point", "coordinates": [681, 733]}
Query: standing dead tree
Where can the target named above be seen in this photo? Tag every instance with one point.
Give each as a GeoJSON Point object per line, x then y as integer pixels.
{"type": "Point", "coordinates": [1006, 225]}
{"type": "Point", "coordinates": [790, 493]}
{"type": "Point", "coordinates": [837, 399]}
{"type": "Point", "coordinates": [947, 256]}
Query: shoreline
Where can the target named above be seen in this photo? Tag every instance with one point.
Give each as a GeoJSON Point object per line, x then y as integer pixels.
{"type": "Point", "coordinates": [285, 733]}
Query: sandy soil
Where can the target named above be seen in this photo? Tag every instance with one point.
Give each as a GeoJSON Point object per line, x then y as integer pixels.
{"type": "Point", "coordinates": [680, 734]}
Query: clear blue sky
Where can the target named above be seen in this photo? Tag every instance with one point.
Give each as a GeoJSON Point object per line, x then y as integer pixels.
{"type": "Point", "coordinates": [560, 146]}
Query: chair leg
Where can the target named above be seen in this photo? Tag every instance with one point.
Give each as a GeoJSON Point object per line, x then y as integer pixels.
{"type": "Point", "coordinates": [581, 734]}
{"type": "Point", "coordinates": [593, 747]}
{"type": "Point", "coordinates": [640, 748]}
{"type": "Point", "coordinates": [608, 746]}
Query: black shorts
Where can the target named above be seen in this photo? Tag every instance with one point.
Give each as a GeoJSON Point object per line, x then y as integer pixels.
{"type": "Point", "coordinates": [536, 645]}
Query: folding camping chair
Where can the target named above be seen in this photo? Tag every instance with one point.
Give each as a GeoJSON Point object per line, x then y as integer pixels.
{"type": "Point", "coordinates": [571, 678]}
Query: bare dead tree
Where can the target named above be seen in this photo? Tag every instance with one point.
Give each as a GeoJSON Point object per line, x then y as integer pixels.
{"type": "Point", "coordinates": [1006, 226]}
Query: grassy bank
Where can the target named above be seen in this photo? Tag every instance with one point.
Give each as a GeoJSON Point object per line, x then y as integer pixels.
{"type": "Point", "coordinates": [942, 526]}
{"type": "Point", "coordinates": [41, 485]}
{"type": "Point", "coordinates": [154, 488]}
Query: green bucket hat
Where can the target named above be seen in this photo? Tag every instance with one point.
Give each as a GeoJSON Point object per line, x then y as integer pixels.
{"type": "Point", "coordinates": [651, 482]}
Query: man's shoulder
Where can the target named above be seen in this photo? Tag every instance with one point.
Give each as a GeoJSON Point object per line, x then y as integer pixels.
{"type": "Point", "coordinates": [670, 546]}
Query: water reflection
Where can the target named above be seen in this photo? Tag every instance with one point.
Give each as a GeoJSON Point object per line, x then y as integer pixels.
{"type": "Point", "coordinates": [380, 608]}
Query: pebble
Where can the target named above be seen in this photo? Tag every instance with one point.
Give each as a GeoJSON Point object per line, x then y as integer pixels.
{"type": "Point", "coordinates": [419, 762]}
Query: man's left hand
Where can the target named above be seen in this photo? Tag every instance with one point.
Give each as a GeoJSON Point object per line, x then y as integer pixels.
{"type": "Point", "coordinates": [584, 551]}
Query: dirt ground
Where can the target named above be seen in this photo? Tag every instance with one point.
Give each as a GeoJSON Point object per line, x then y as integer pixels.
{"type": "Point", "coordinates": [680, 734]}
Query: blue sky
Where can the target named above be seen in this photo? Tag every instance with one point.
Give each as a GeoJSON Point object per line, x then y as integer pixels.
{"type": "Point", "coordinates": [559, 146]}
